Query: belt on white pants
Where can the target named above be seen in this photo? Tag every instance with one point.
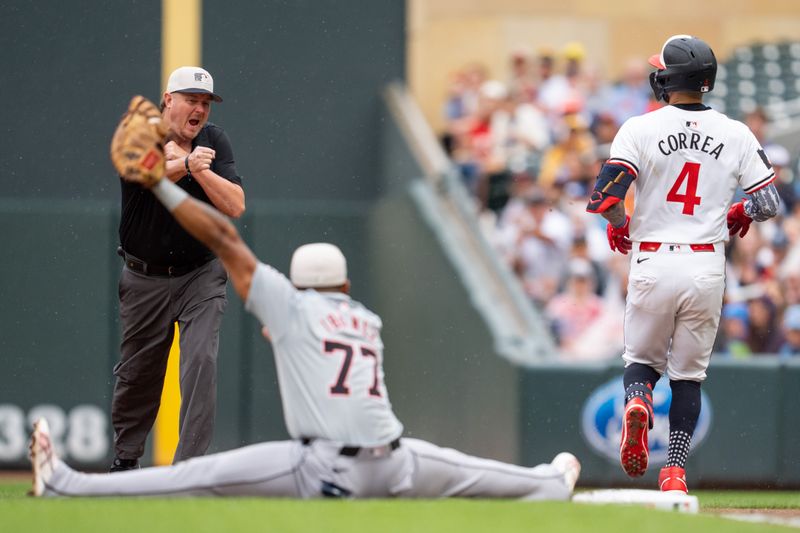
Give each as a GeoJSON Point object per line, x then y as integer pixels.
{"type": "Point", "coordinates": [669, 247]}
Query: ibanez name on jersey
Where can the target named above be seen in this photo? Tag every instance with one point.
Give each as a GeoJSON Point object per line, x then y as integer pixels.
{"type": "Point", "coordinates": [693, 141]}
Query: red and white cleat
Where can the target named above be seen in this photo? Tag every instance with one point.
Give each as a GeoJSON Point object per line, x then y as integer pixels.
{"type": "Point", "coordinates": [42, 456]}
{"type": "Point", "coordinates": [633, 450]}
{"type": "Point", "coordinates": [672, 479]}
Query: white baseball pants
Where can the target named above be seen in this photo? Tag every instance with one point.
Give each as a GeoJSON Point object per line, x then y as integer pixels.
{"type": "Point", "coordinates": [673, 308]}
{"type": "Point", "coordinates": [417, 469]}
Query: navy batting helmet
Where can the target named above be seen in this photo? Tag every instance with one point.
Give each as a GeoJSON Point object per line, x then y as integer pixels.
{"type": "Point", "coordinates": [686, 63]}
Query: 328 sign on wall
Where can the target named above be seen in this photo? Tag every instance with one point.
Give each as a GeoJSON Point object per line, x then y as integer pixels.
{"type": "Point", "coordinates": [79, 434]}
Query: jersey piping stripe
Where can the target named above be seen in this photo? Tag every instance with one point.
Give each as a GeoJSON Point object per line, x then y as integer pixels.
{"type": "Point", "coordinates": [761, 184]}
{"type": "Point", "coordinates": [624, 163]}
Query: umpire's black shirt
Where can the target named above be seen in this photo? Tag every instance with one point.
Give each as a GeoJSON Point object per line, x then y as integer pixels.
{"type": "Point", "coordinates": [149, 232]}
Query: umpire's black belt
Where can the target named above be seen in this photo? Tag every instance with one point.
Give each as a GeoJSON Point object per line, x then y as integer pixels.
{"type": "Point", "coordinates": [352, 451]}
{"type": "Point", "coordinates": [172, 271]}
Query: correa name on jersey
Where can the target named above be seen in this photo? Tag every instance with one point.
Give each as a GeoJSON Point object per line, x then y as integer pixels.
{"type": "Point", "coordinates": [690, 141]}
{"type": "Point", "coordinates": [601, 420]}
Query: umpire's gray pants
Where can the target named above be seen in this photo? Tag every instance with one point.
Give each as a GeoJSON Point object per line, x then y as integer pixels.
{"type": "Point", "coordinates": [148, 308]}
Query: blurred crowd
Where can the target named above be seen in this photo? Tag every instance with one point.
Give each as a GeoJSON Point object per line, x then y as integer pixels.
{"type": "Point", "coordinates": [529, 148]}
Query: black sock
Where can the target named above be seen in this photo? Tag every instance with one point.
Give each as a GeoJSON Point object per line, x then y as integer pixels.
{"type": "Point", "coordinates": [678, 450]}
{"type": "Point", "coordinates": [683, 414]}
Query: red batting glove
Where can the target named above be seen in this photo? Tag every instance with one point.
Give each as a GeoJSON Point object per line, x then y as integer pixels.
{"type": "Point", "coordinates": [618, 237]}
{"type": "Point", "coordinates": [738, 221]}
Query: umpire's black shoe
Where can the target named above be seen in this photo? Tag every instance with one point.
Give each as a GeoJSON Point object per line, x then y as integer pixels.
{"type": "Point", "coordinates": [120, 465]}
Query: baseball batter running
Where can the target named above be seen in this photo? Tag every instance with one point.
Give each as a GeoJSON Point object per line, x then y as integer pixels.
{"type": "Point", "coordinates": [686, 161]}
{"type": "Point", "coordinates": [346, 441]}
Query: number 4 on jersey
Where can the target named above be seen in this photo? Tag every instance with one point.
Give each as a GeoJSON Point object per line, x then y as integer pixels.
{"type": "Point", "coordinates": [690, 173]}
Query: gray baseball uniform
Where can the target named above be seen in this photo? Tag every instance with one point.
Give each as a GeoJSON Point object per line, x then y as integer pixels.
{"type": "Point", "coordinates": [346, 439]}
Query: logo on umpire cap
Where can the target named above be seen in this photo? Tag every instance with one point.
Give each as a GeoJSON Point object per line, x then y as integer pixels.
{"type": "Point", "coordinates": [200, 76]}
{"type": "Point", "coordinates": [601, 420]}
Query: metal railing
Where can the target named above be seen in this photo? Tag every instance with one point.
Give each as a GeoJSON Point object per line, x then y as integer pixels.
{"type": "Point", "coordinates": [520, 333]}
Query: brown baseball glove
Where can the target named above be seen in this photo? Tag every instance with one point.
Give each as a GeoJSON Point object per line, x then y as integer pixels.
{"type": "Point", "coordinates": [137, 148]}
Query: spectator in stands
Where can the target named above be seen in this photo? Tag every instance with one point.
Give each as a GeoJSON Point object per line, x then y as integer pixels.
{"type": "Point", "coordinates": [742, 268]}
{"type": "Point", "coordinates": [454, 111]}
{"type": "Point", "coordinates": [733, 331]}
{"type": "Point", "coordinates": [758, 121]}
{"type": "Point", "coordinates": [631, 96]}
{"type": "Point", "coordinates": [791, 329]}
{"type": "Point", "coordinates": [544, 236]}
{"type": "Point", "coordinates": [529, 135]}
{"type": "Point", "coordinates": [779, 244]}
{"type": "Point", "coordinates": [567, 160]}
{"type": "Point", "coordinates": [490, 138]}
{"type": "Point", "coordinates": [574, 55]}
{"type": "Point", "coordinates": [780, 159]}
{"type": "Point", "coordinates": [478, 140]}
{"type": "Point", "coordinates": [460, 111]}
{"type": "Point", "coordinates": [562, 93]}
{"type": "Point", "coordinates": [764, 335]}
{"type": "Point", "coordinates": [602, 337]}
{"type": "Point", "coordinates": [580, 252]}
{"type": "Point", "coordinates": [574, 310]}
{"type": "Point", "coordinates": [522, 83]}
{"type": "Point", "coordinates": [552, 86]}
{"type": "Point", "coordinates": [604, 129]}
{"type": "Point", "coordinates": [788, 270]}
{"type": "Point", "coordinates": [597, 93]}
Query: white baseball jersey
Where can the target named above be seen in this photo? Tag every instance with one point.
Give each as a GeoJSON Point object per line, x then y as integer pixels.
{"type": "Point", "coordinates": [688, 165]}
{"type": "Point", "coordinates": [329, 356]}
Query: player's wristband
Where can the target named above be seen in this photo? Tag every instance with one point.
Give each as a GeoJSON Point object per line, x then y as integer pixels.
{"type": "Point", "coordinates": [169, 194]}
{"type": "Point", "coordinates": [186, 164]}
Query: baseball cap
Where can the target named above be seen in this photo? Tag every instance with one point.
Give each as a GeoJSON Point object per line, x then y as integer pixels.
{"type": "Point", "coordinates": [580, 268]}
{"type": "Point", "coordinates": [777, 155]}
{"type": "Point", "coordinates": [574, 50]}
{"type": "Point", "coordinates": [791, 319]}
{"type": "Point", "coordinates": [536, 197]}
{"type": "Point", "coordinates": [317, 265]}
{"type": "Point", "coordinates": [575, 122]}
{"type": "Point", "coordinates": [736, 311]}
{"type": "Point", "coordinates": [192, 80]}
{"type": "Point", "coordinates": [494, 90]}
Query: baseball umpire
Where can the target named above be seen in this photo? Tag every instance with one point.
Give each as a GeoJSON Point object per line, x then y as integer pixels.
{"type": "Point", "coordinates": [346, 440]}
{"type": "Point", "coordinates": [168, 276]}
{"type": "Point", "coordinates": [686, 161]}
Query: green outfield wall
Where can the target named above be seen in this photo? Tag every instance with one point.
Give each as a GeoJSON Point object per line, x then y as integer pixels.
{"type": "Point", "coordinates": [747, 437]}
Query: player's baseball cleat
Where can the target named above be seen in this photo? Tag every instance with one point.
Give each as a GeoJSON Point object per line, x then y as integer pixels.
{"type": "Point", "coordinates": [672, 479]}
{"type": "Point", "coordinates": [633, 451]}
{"type": "Point", "coordinates": [121, 465]}
{"type": "Point", "coordinates": [569, 465]}
{"type": "Point", "coordinates": [42, 456]}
